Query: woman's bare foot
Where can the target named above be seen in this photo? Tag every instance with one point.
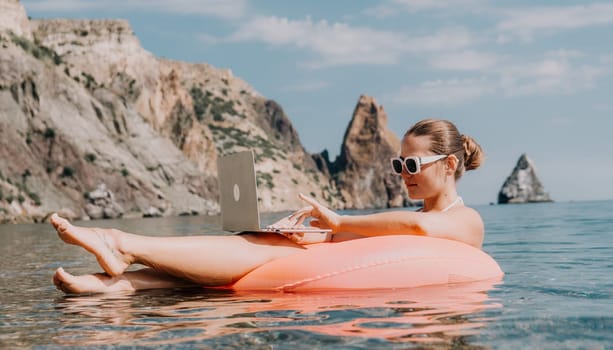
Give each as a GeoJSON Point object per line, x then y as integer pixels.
{"type": "Point", "coordinates": [103, 243]}
{"type": "Point", "coordinates": [96, 283]}
{"type": "Point", "coordinates": [130, 281]}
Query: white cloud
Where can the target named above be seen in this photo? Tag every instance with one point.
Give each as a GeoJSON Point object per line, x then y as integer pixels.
{"type": "Point", "coordinates": [342, 44]}
{"type": "Point", "coordinates": [525, 23]}
{"type": "Point", "coordinates": [396, 7]}
{"type": "Point", "coordinates": [421, 5]}
{"type": "Point", "coordinates": [602, 107]}
{"type": "Point", "coordinates": [445, 39]}
{"type": "Point", "coordinates": [227, 9]}
{"type": "Point", "coordinates": [561, 121]}
{"type": "Point", "coordinates": [309, 86]}
{"type": "Point", "coordinates": [607, 59]}
{"type": "Point", "coordinates": [565, 54]}
{"type": "Point", "coordinates": [60, 5]}
{"type": "Point", "coordinates": [442, 92]}
{"type": "Point", "coordinates": [465, 61]}
{"type": "Point", "coordinates": [208, 39]}
{"type": "Point", "coordinates": [334, 43]}
{"type": "Point", "coordinates": [550, 76]}
{"type": "Point", "coordinates": [550, 69]}
{"type": "Point", "coordinates": [556, 73]}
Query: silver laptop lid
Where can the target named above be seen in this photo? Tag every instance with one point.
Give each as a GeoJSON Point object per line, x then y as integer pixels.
{"type": "Point", "coordinates": [238, 192]}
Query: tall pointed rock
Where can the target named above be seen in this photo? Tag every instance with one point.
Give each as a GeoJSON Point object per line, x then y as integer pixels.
{"type": "Point", "coordinates": [361, 171]}
{"type": "Point", "coordinates": [523, 185]}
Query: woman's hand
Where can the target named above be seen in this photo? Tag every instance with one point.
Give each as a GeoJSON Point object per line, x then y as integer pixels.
{"type": "Point", "coordinates": [287, 222]}
{"type": "Point", "coordinates": [296, 220]}
{"type": "Point", "coordinates": [322, 216]}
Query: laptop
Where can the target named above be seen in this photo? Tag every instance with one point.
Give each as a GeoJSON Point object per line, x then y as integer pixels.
{"type": "Point", "coordinates": [239, 196]}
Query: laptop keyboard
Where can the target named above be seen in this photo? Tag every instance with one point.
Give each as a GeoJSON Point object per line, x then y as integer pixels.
{"type": "Point", "coordinates": [294, 229]}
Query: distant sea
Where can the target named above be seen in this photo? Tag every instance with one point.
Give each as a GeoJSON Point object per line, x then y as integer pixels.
{"type": "Point", "coordinates": [557, 294]}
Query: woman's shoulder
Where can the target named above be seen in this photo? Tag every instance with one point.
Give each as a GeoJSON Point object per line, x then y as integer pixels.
{"type": "Point", "coordinates": [467, 213]}
{"type": "Point", "coordinates": [469, 225]}
{"type": "Point", "coordinates": [466, 208]}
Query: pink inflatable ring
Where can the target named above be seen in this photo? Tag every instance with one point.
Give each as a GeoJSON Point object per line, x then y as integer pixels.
{"type": "Point", "coordinates": [401, 261]}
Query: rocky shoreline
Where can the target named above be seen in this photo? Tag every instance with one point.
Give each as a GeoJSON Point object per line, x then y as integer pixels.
{"type": "Point", "coordinates": [94, 126]}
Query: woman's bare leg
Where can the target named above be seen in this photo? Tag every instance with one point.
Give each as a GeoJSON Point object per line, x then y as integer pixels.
{"type": "Point", "coordinates": [128, 282]}
{"type": "Point", "coordinates": [206, 260]}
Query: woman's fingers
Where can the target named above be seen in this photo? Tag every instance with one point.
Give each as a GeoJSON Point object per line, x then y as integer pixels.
{"type": "Point", "coordinates": [312, 201]}
{"type": "Point", "coordinates": [300, 219]}
{"type": "Point", "coordinates": [320, 214]}
{"type": "Point", "coordinates": [301, 214]}
{"type": "Point", "coordinates": [318, 208]}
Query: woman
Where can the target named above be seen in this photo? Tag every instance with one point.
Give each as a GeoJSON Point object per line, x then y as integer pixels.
{"type": "Point", "coordinates": [433, 156]}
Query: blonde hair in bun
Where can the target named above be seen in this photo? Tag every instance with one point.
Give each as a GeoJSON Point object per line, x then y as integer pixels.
{"type": "Point", "coordinates": [446, 139]}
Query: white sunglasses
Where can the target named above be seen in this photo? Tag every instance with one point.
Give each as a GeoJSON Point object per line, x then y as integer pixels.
{"type": "Point", "coordinates": [413, 164]}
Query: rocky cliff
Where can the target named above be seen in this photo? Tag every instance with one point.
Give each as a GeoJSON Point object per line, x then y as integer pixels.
{"type": "Point", "coordinates": [523, 185]}
{"type": "Point", "coordinates": [13, 18]}
{"type": "Point", "coordinates": [362, 171]}
{"type": "Point", "coordinates": [92, 125]}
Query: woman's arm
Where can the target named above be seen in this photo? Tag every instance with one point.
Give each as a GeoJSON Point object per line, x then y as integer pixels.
{"type": "Point", "coordinates": [461, 224]}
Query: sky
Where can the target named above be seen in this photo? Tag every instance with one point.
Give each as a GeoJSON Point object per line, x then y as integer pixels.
{"type": "Point", "coordinates": [532, 77]}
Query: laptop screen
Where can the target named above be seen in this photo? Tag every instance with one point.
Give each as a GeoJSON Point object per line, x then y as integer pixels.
{"type": "Point", "coordinates": [238, 192]}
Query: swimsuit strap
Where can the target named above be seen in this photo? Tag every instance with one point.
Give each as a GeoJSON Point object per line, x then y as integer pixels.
{"type": "Point", "coordinates": [456, 201]}
{"type": "Point", "coordinates": [453, 204]}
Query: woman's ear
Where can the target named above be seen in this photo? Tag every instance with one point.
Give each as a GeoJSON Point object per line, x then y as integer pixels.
{"type": "Point", "coordinates": [452, 164]}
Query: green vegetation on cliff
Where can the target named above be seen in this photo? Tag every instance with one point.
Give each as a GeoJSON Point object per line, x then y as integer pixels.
{"type": "Point", "coordinates": [39, 51]}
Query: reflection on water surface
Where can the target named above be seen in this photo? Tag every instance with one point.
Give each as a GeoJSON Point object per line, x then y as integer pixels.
{"type": "Point", "coordinates": [435, 315]}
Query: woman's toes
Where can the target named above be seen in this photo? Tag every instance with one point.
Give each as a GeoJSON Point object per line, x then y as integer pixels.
{"type": "Point", "coordinates": [61, 280]}
{"type": "Point", "coordinates": [57, 220]}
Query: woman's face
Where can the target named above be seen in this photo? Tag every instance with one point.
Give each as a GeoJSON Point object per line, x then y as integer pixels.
{"type": "Point", "coordinates": [429, 181]}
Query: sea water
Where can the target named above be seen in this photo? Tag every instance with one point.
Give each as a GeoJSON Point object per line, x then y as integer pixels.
{"type": "Point", "coordinates": [557, 294]}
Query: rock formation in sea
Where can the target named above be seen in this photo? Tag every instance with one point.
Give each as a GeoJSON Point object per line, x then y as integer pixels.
{"type": "Point", "coordinates": [523, 185]}
{"type": "Point", "coordinates": [362, 171]}
{"type": "Point", "coordinates": [84, 109]}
